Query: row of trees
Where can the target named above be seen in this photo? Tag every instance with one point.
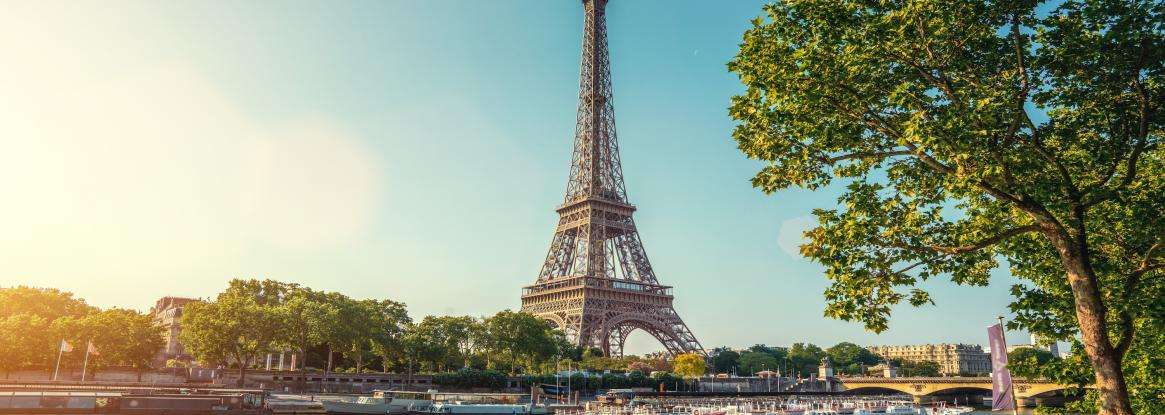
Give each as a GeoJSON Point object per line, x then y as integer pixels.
{"type": "Point", "coordinates": [799, 359]}
{"type": "Point", "coordinates": [253, 318]}
{"type": "Point", "coordinates": [33, 321]}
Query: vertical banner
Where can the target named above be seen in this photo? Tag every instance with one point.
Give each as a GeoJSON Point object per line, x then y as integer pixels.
{"type": "Point", "coordinates": [1001, 391]}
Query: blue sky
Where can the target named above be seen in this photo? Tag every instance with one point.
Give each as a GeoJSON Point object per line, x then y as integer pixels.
{"type": "Point", "coordinates": [413, 150]}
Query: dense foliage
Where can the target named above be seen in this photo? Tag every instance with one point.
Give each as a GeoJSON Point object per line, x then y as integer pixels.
{"type": "Point", "coordinates": [689, 365]}
{"type": "Point", "coordinates": [252, 318]}
{"type": "Point", "coordinates": [967, 132]}
{"type": "Point", "coordinates": [35, 320]}
{"type": "Point", "coordinates": [801, 359]}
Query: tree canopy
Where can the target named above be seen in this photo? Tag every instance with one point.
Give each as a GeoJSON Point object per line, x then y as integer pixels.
{"type": "Point", "coordinates": [689, 365]}
{"type": "Point", "coordinates": [850, 358]}
{"type": "Point", "coordinates": [35, 320]}
{"type": "Point", "coordinates": [965, 132]}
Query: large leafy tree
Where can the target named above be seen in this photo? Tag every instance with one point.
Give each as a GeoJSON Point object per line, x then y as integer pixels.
{"type": "Point", "coordinates": [306, 316]}
{"type": "Point", "coordinates": [121, 337]}
{"type": "Point", "coordinates": [910, 368]}
{"type": "Point", "coordinates": [234, 328]}
{"type": "Point", "coordinates": [805, 358]}
{"type": "Point", "coordinates": [25, 342]}
{"type": "Point", "coordinates": [430, 343]}
{"type": "Point", "coordinates": [456, 334]}
{"type": "Point", "coordinates": [521, 335]}
{"type": "Point", "coordinates": [48, 303]}
{"type": "Point", "coordinates": [689, 365]}
{"type": "Point", "coordinates": [970, 131]}
{"type": "Point", "coordinates": [850, 358]}
{"type": "Point", "coordinates": [752, 362]}
{"type": "Point", "coordinates": [388, 321]}
{"type": "Point", "coordinates": [724, 359]}
{"type": "Point", "coordinates": [27, 317]}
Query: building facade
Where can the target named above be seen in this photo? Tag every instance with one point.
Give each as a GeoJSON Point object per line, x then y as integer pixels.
{"type": "Point", "coordinates": [952, 359]}
{"type": "Point", "coordinates": [167, 313]}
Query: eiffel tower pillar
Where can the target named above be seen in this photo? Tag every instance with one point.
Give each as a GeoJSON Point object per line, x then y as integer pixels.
{"type": "Point", "coordinates": [596, 283]}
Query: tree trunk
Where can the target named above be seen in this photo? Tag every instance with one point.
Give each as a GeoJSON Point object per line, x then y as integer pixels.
{"type": "Point", "coordinates": [301, 382]}
{"type": "Point", "coordinates": [328, 368]}
{"type": "Point", "coordinates": [242, 374]}
{"type": "Point", "coordinates": [409, 382]}
{"type": "Point", "coordinates": [1090, 314]}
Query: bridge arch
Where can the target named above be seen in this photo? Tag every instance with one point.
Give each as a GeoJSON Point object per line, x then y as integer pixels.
{"type": "Point", "coordinates": [880, 389]}
{"type": "Point", "coordinates": [960, 388]}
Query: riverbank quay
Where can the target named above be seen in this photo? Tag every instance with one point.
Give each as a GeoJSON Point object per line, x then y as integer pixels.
{"type": "Point", "coordinates": [274, 380]}
{"type": "Point", "coordinates": [115, 398]}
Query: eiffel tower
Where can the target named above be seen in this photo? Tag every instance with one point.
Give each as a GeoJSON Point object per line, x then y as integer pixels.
{"type": "Point", "coordinates": [596, 283]}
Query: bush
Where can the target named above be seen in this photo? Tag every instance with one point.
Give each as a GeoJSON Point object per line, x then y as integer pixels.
{"type": "Point", "coordinates": [471, 378]}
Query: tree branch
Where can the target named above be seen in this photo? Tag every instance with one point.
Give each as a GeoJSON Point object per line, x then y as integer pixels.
{"type": "Point", "coordinates": [1128, 330]}
{"type": "Point", "coordinates": [956, 250]}
{"type": "Point", "coordinates": [1142, 136]}
{"type": "Point", "coordinates": [866, 154]}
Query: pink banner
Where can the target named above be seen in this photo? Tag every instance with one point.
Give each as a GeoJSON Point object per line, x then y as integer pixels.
{"type": "Point", "coordinates": [1001, 391]}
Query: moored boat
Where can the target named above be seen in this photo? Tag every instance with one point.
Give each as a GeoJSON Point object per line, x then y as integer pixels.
{"type": "Point", "coordinates": [383, 402]}
{"type": "Point", "coordinates": [487, 409]}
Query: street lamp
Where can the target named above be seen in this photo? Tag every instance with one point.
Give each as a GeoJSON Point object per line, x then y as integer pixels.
{"type": "Point", "coordinates": [768, 377]}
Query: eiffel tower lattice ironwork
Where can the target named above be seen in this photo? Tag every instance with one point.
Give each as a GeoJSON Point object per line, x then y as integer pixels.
{"type": "Point", "coordinates": [596, 283]}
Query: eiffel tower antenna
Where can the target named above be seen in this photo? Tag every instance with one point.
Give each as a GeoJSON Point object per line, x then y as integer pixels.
{"type": "Point", "coordinates": [596, 283]}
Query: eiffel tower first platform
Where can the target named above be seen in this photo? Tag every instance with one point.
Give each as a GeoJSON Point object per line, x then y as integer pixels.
{"type": "Point", "coordinates": [596, 283]}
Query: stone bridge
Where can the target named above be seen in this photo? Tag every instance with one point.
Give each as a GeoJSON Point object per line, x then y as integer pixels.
{"type": "Point", "coordinates": [925, 389]}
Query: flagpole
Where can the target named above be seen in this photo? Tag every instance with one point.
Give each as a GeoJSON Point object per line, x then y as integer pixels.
{"type": "Point", "coordinates": [1014, 399]}
{"type": "Point", "coordinates": [60, 351]}
{"type": "Point", "coordinates": [85, 365]}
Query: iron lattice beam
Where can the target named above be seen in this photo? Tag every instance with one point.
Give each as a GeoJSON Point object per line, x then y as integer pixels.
{"type": "Point", "coordinates": [596, 283]}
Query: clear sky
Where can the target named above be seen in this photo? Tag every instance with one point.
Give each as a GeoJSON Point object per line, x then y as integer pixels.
{"type": "Point", "coordinates": [413, 150]}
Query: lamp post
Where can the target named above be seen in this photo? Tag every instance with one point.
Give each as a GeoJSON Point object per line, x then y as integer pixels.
{"type": "Point", "coordinates": [768, 378]}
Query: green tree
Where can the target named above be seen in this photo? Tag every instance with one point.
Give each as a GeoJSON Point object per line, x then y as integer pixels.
{"type": "Point", "coordinates": [47, 303]}
{"type": "Point", "coordinates": [966, 132]}
{"type": "Point", "coordinates": [121, 337]}
{"type": "Point", "coordinates": [909, 368]}
{"type": "Point", "coordinates": [305, 316]}
{"type": "Point", "coordinates": [752, 362]}
{"type": "Point", "coordinates": [457, 335]}
{"type": "Point", "coordinates": [805, 358]}
{"type": "Point", "coordinates": [391, 319]}
{"type": "Point", "coordinates": [430, 344]}
{"type": "Point", "coordinates": [521, 335]}
{"type": "Point", "coordinates": [27, 316]}
{"type": "Point", "coordinates": [366, 326]}
{"type": "Point", "coordinates": [724, 360]}
{"type": "Point", "coordinates": [689, 365]}
{"type": "Point", "coordinates": [850, 358]}
{"type": "Point", "coordinates": [348, 323]}
{"type": "Point", "coordinates": [234, 328]}
{"type": "Point", "coordinates": [1029, 355]}
{"type": "Point", "coordinates": [26, 341]}
{"type": "Point", "coordinates": [779, 353]}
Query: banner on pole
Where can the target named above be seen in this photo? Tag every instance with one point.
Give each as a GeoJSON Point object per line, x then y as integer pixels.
{"type": "Point", "coordinates": [65, 346]}
{"type": "Point", "coordinates": [1001, 391]}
